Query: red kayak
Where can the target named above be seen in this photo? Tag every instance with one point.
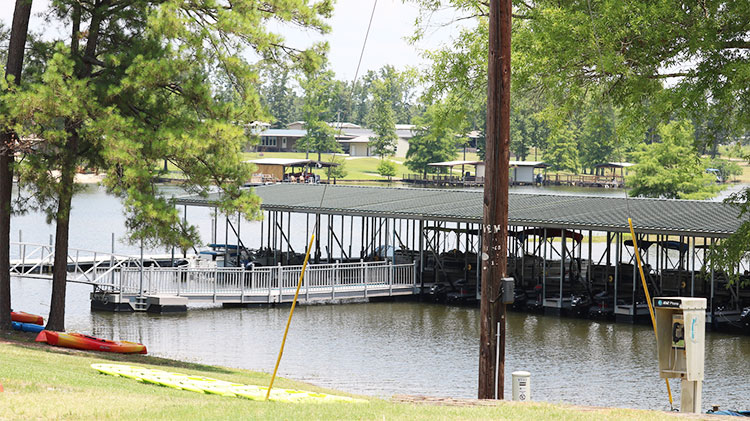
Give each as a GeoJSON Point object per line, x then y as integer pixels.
{"type": "Point", "coordinates": [21, 317]}
{"type": "Point", "coordinates": [81, 341]}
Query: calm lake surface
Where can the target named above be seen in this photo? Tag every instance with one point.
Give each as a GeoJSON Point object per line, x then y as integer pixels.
{"type": "Point", "coordinates": [388, 348]}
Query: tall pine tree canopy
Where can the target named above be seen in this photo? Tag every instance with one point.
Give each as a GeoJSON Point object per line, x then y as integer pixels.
{"type": "Point", "coordinates": [142, 81]}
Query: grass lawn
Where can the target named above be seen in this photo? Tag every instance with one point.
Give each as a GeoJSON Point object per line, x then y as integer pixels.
{"type": "Point", "coordinates": [43, 382]}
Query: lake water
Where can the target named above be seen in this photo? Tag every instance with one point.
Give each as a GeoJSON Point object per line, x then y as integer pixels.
{"type": "Point", "coordinates": [389, 348]}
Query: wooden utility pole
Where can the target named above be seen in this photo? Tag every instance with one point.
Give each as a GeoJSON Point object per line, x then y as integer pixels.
{"type": "Point", "coordinates": [495, 233]}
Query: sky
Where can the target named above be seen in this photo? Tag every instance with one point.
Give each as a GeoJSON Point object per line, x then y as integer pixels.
{"type": "Point", "coordinates": [392, 22]}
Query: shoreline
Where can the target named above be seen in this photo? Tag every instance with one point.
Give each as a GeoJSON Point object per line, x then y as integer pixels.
{"type": "Point", "coordinates": [61, 384]}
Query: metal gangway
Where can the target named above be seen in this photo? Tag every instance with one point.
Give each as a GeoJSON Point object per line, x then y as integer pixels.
{"type": "Point", "coordinates": [126, 283]}
{"type": "Point", "coordinates": [90, 267]}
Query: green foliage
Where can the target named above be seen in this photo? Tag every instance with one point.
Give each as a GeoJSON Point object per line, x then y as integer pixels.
{"type": "Point", "coordinates": [317, 110]}
{"type": "Point", "coordinates": [671, 168]}
{"type": "Point", "coordinates": [727, 169]}
{"type": "Point", "coordinates": [381, 121]}
{"type": "Point", "coordinates": [562, 142]}
{"type": "Point", "coordinates": [338, 171]}
{"type": "Point", "coordinates": [386, 168]}
{"type": "Point", "coordinates": [724, 256]}
{"type": "Point", "coordinates": [527, 129]}
{"type": "Point", "coordinates": [435, 139]}
{"type": "Point", "coordinates": [278, 97]}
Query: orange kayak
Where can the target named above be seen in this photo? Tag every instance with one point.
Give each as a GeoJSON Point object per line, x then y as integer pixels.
{"type": "Point", "coordinates": [81, 341]}
{"type": "Point", "coordinates": [21, 317]}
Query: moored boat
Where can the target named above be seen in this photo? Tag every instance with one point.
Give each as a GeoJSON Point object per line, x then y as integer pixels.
{"type": "Point", "coordinates": [81, 341]}
{"type": "Point", "coordinates": [21, 317]}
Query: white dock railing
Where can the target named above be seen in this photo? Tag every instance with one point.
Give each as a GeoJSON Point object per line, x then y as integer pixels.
{"type": "Point", "coordinates": [336, 277]}
{"type": "Point", "coordinates": [83, 266]}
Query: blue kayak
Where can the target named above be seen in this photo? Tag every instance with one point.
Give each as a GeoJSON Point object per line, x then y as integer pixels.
{"type": "Point", "coordinates": [27, 327]}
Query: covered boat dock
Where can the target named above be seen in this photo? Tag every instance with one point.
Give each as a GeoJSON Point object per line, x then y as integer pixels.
{"type": "Point", "coordinates": [569, 254]}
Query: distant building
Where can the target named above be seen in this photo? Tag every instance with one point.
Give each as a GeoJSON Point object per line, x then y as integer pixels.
{"type": "Point", "coordinates": [354, 139]}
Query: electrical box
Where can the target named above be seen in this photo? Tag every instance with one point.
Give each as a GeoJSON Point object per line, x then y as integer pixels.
{"type": "Point", "coordinates": [509, 290]}
{"type": "Point", "coordinates": [681, 332]}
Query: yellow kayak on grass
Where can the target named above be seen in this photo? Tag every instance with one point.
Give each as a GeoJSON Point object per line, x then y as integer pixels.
{"type": "Point", "coordinates": [214, 386]}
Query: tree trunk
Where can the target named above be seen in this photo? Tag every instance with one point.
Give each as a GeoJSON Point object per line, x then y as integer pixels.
{"type": "Point", "coordinates": [6, 184]}
{"type": "Point", "coordinates": [18, 33]}
{"type": "Point", "coordinates": [56, 320]}
{"type": "Point", "coordinates": [62, 218]}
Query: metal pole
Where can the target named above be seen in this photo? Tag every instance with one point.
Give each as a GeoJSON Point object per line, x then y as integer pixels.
{"type": "Point", "coordinates": [497, 359]}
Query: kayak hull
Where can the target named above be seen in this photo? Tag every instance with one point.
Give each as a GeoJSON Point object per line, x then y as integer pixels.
{"type": "Point", "coordinates": [21, 317]}
{"type": "Point", "coordinates": [27, 327]}
{"type": "Point", "coordinates": [90, 343]}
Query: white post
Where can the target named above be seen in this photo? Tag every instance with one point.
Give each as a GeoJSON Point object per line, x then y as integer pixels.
{"type": "Point", "coordinates": [140, 292]}
{"type": "Point", "coordinates": [216, 280]}
{"type": "Point", "coordinates": [280, 274]}
{"type": "Point", "coordinates": [364, 276]}
{"type": "Point", "coordinates": [414, 275]}
{"type": "Point", "coordinates": [112, 260]}
{"type": "Point", "coordinates": [521, 386]}
{"type": "Point", "coordinates": [335, 280]}
{"type": "Point", "coordinates": [391, 278]}
{"type": "Point", "coordinates": [307, 286]}
{"type": "Point", "coordinates": [497, 359]}
{"type": "Point", "coordinates": [242, 285]}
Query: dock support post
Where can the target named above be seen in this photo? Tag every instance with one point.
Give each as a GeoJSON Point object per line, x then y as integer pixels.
{"type": "Point", "coordinates": [364, 277]}
{"type": "Point", "coordinates": [140, 289]}
{"type": "Point", "coordinates": [618, 258]}
{"type": "Point", "coordinates": [544, 270]}
{"type": "Point", "coordinates": [563, 252]}
{"type": "Point", "coordinates": [414, 274]}
{"type": "Point", "coordinates": [216, 280]}
{"type": "Point", "coordinates": [393, 261]}
{"type": "Point", "coordinates": [280, 279]}
{"type": "Point", "coordinates": [711, 300]}
{"type": "Point", "coordinates": [692, 264]}
{"type": "Point", "coordinates": [336, 275]}
{"type": "Point", "coordinates": [242, 285]}
{"type": "Point", "coordinates": [421, 259]}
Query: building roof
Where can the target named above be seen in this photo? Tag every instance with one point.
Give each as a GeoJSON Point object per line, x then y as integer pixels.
{"type": "Point", "coordinates": [358, 139]}
{"type": "Point", "coordinates": [290, 162]}
{"type": "Point", "coordinates": [614, 165]}
{"type": "Point", "coordinates": [283, 133]}
{"type": "Point", "coordinates": [454, 163]}
{"type": "Point", "coordinates": [534, 164]}
{"type": "Point", "coordinates": [285, 162]}
{"type": "Point", "coordinates": [650, 216]}
{"type": "Point", "coordinates": [344, 125]}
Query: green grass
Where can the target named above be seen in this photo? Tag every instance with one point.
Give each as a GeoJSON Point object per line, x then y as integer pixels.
{"type": "Point", "coordinates": [43, 382]}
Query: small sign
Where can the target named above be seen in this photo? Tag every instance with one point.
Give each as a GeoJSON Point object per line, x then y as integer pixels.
{"type": "Point", "coordinates": [667, 303]}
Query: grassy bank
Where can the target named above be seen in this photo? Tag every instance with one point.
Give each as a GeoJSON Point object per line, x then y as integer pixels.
{"type": "Point", "coordinates": [53, 383]}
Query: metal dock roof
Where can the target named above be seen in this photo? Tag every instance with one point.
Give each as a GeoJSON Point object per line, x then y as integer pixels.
{"type": "Point", "coordinates": [652, 216]}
